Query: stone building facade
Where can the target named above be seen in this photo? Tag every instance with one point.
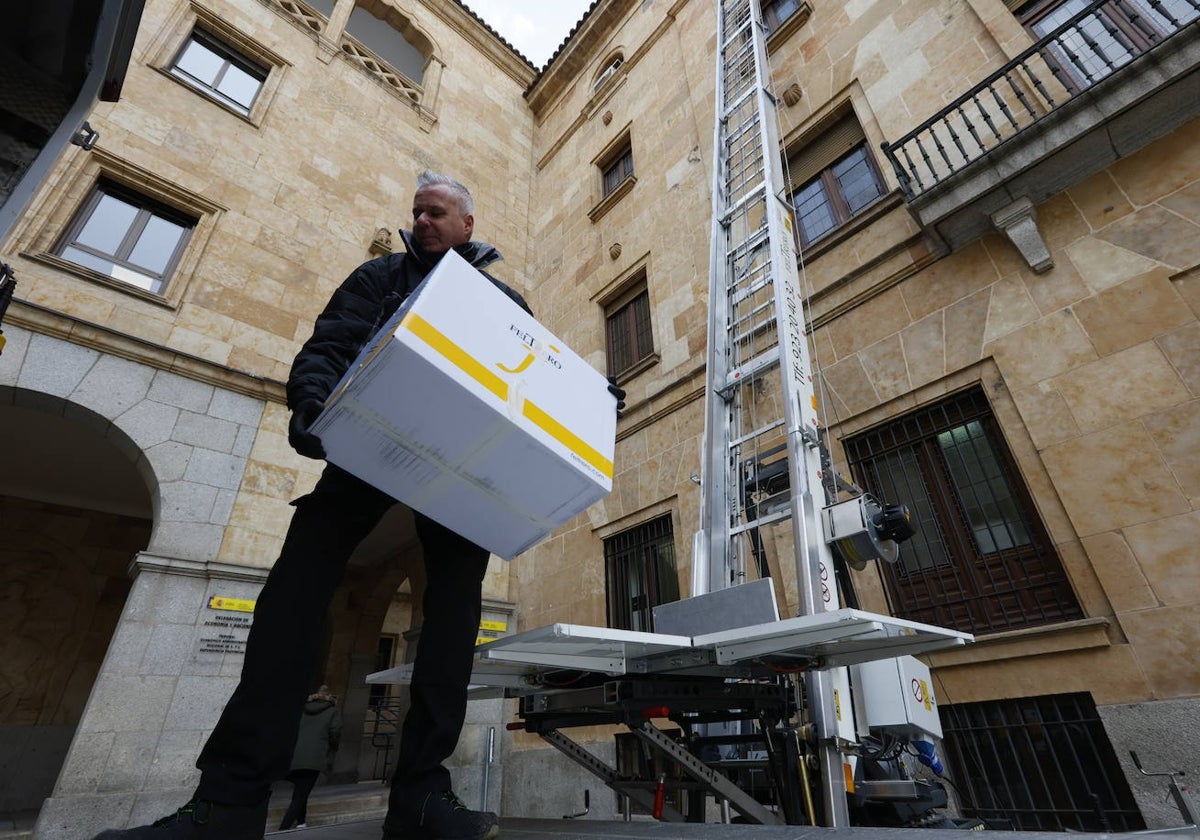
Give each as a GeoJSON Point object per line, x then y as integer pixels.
{"type": "Point", "coordinates": [1010, 346]}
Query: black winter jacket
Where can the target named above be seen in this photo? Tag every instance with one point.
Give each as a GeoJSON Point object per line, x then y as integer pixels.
{"type": "Point", "coordinates": [319, 735]}
{"type": "Point", "coordinates": [361, 305]}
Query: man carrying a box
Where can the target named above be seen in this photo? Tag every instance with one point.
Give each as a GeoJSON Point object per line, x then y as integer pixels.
{"type": "Point", "coordinates": [252, 743]}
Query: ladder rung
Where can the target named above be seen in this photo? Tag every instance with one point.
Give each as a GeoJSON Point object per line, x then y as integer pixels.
{"type": "Point", "coordinates": [757, 238]}
{"type": "Point", "coordinates": [730, 107]}
{"type": "Point", "coordinates": [746, 24]}
{"type": "Point", "coordinates": [756, 327]}
{"type": "Point", "coordinates": [752, 368]}
{"type": "Point", "coordinates": [758, 191]}
{"type": "Point", "coordinates": [758, 432]}
{"type": "Point", "coordinates": [777, 516]}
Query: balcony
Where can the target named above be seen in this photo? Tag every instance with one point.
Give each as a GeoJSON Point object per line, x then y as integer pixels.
{"type": "Point", "coordinates": [1113, 77]}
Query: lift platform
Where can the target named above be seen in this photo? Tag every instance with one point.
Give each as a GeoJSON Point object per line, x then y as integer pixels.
{"type": "Point", "coordinates": [570, 675]}
{"type": "Point", "coordinates": [520, 664]}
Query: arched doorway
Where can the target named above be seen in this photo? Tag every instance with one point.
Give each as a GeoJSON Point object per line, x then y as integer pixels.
{"type": "Point", "coordinates": [74, 512]}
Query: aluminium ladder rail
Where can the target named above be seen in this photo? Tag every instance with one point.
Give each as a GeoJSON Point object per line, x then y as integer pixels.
{"type": "Point", "coordinates": [760, 393]}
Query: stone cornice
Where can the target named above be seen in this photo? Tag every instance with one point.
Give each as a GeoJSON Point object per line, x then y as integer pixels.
{"type": "Point", "coordinates": [146, 562]}
{"type": "Point", "coordinates": [542, 95]}
{"type": "Point", "coordinates": [45, 321]}
{"type": "Point", "coordinates": [484, 38]}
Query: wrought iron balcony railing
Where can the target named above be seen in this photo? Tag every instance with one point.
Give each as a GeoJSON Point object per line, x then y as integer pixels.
{"type": "Point", "coordinates": [1094, 40]}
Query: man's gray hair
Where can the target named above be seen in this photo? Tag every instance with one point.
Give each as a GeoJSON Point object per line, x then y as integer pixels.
{"type": "Point", "coordinates": [429, 179]}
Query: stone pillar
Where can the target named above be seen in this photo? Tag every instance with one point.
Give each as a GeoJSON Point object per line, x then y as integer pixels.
{"type": "Point", "coordinates": [346, 765]}
{"type": "Point", "coordinates": [330, 38]}
{"type": "Point", "coordinates": [174, 659]}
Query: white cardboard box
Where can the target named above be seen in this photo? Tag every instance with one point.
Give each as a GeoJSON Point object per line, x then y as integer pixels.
{"type": "Point", "coordinates": [467, 409]}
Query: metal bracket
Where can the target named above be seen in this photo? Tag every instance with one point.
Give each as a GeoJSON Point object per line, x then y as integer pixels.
{"type": "Point", "coordinates": [86, 137]}
{"type": "Point", "coordinates": [742, 802]}
{"type": "Point", "coordinates": [606, 773]}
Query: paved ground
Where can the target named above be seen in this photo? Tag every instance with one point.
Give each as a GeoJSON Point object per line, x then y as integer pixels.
{"type": "Point", "coordinates": [355, 812]}
{"type": "Point", "coordinates": [584, 829]}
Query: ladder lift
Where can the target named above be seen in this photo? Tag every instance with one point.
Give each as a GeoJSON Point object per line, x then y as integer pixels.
{"type": "Point", "coordinates": [762, 703]}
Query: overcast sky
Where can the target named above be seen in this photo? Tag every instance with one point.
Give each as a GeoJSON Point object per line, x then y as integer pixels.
{"type": "Point", "coordinates": [535, 27]}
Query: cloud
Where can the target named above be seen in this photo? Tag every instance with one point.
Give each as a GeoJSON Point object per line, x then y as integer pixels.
{"type": "Point", "coordinates": [535, 27]}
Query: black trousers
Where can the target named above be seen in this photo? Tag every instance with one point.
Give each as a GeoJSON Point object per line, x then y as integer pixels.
{"type": "Point", "coordinates": [251, 746]}
{"type": "Point", "coordinates": [303, 782]}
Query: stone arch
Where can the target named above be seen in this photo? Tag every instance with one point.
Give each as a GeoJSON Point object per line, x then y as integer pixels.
{"type": "Point", "coordinates": [77, 511]}
{"type": "Point", "coordinates": [408, 30]}
{"type": "Point", "coordinates": [386, 559]}
{"type": "Point", "coordinates": [188, 440]}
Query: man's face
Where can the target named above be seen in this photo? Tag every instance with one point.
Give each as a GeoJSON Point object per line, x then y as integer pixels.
{"type": "Point", "coordinates": [438, 223]}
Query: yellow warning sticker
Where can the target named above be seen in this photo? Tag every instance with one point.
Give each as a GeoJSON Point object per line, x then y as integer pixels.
{"type": "Point", "coordinates": [922, 694]}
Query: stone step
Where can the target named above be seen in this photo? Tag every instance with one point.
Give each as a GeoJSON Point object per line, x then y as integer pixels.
{"type": "Point", "coordinates": [332, 804]}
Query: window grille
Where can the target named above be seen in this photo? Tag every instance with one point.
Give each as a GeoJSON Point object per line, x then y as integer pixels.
{"type": "Point", "coordinates": [640, 573]}
{"type": "Point", "coordinates": [628, 334]}
{"type": "Point", "coordinates": [981, 560]}
{"type": "Point", "coordinates": [1041, 763]}
{"type": "Point", "coordinates": [617, 170]}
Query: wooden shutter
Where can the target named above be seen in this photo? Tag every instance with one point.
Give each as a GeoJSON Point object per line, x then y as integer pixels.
{"type": "Point", "coordinates": [830, 144]}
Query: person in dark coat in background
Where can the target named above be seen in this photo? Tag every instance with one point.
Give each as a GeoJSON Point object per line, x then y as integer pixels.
{"type": "Point", "coordinates": [320, 732]}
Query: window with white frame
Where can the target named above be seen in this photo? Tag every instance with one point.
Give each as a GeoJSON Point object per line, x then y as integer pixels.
{"type": "Point", "coordinates": [610, 70]}
{"type": "Point", "coordinates": [217, 70]}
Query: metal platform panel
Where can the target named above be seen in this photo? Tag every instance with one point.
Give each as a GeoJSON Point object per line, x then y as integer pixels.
{"type": "Point", "coordinates": [835, 638]}
{"type": "Point", "coordinates": [601, 650]}
{"type": "Point", "coordinates": [842, 637]}
{"type": "Point", "coordinates": [488, 679]}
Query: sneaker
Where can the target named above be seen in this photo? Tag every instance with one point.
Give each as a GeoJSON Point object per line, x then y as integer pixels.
{"type": "Point", "coordinates": [200, 821]}
{"type": "Point", "coordinates": [443, 816]}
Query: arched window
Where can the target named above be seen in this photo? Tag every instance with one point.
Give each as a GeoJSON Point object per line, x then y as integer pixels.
{"type": "Point", "coordinates": [390, 36]}
{"type": "Point", "coordinates": [610, 70]}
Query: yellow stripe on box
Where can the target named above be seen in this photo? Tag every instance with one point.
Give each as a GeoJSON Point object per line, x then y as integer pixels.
{"type": "Point", "coordinates": [463, 360]}
{"type": "Point", "coordinates": [568, 438]}
{"type": "Point", "coordinates": [493, 625]}
{"type": "Point", "coordinates": [457, 356]}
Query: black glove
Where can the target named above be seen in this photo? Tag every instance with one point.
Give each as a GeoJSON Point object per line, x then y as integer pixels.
{"type": "Point", "coordinates": [301, 439]}
{"type": "Point", "coordinates": [617, 392]}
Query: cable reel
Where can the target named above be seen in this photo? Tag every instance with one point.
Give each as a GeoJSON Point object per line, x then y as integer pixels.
{"type": "Point", "coordinates": [862, 529]}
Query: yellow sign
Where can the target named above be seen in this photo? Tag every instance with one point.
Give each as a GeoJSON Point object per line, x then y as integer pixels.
{"type": "Point", "coordinates": [489, 631]}
{"type": "Point", "coordinates": [216, 602]}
